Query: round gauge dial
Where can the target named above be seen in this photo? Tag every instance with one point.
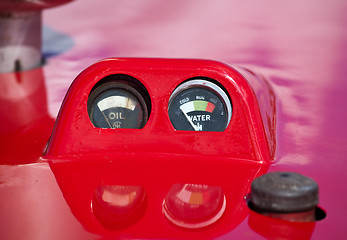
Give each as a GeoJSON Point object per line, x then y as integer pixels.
{"type": "Point", "coordinates": [117, 105]}
{"type": "Point", "coordinates": [199, 105]}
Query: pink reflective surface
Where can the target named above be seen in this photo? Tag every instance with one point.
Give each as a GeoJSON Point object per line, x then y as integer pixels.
{"type": "Point", "coordinates": [298, 46]}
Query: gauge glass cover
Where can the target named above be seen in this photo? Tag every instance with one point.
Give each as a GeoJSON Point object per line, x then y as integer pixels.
{"type": "Point", "coordinates": [199, 105]}
{"type": "Point", "coordinates": [117, 105]}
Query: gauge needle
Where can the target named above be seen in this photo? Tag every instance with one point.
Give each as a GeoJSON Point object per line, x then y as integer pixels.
{"type": "Point", "coordinates": [190, 121]}
{"type": "Point", "coordinates": [106, 119]}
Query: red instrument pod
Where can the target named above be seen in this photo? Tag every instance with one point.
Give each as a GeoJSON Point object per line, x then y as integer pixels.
{"type": "Point", "coordinates": [245, 138]}
{"type": "Point", "coordinates": [84, 157]}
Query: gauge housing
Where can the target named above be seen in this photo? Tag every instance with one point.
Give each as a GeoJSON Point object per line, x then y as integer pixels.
{"type": "Point", "coordinates": [84, 157]}
{"type": "Point", "coordinates": [209, 103]}
{"type": "Point", "coordinates": [244, 138]}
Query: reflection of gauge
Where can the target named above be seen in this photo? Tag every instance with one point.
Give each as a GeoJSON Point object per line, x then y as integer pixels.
{"type": "Point", "coordinates": [117, 105]}
{"type": "Point", "coordinates": [193, 205]}
{"type": "Point", "coordinates": [199, 105]}
{"type": "Point", "coordinates": [117, 206]}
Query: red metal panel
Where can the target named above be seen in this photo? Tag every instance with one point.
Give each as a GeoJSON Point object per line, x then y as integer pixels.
{"type": "Point", "coordinates": [84, 157]}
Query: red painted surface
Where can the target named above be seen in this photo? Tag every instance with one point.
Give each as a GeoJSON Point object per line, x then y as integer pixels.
{"type": "Point", "coordinates": [155, 157]}
{"type": "Point", "coordinates": [25, 121]}
{"type": "Point", "coordinates": [299, 48]}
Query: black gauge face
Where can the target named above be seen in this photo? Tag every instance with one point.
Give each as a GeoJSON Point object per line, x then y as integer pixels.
{"type": "Point", "coordinates": [199, 105]}
{"type": "Point", "coordinates": [117, 105]}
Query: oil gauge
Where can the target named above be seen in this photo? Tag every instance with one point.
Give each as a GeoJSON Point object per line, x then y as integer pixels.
{"type": "Point", "coordinates": [199, 105]}
{"type": "Point", "coordinates": [118, 104]}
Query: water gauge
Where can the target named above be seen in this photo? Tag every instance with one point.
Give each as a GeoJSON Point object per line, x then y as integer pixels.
{"type": "Point", "coordinates": [200, 105]}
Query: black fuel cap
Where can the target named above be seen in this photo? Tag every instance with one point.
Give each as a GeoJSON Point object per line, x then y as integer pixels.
{"type": "Point", "coordinates": [284, 192]}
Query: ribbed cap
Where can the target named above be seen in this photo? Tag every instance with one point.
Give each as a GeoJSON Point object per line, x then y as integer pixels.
{"type": "Point", "coordinates": [285, 192]}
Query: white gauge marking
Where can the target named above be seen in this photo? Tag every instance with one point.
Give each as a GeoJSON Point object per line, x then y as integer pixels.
{"type": "Point", "coordinates": [116, 124]}
{"type": "Point", "coordinates": [112, 115]}
{"type": "Point", "coordinates": [187, 107]}
{"type": "Point", "coordinates": [117, 101]}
